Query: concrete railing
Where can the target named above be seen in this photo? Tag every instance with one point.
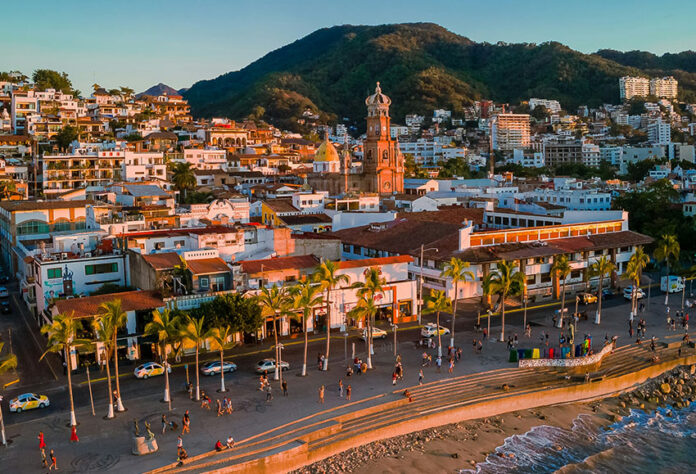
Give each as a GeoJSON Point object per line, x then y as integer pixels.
{"type": "Point", "coordinates": [570, 362]}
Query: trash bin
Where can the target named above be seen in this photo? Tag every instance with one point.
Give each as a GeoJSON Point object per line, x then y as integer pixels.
{"type": "Point", "coordinates": [535, 353]}
{"type": "Point", "coordinates": [520, 353]}
{"type": "Point", "coordinates": [527, 353]}
{"type": "Point", "coordinates": [551, 352]}
{"type": "Point", "coordinates": [513, 355]}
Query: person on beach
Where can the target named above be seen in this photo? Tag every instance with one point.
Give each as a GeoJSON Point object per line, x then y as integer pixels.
{"type": "Point", "coordinates": [394, 377]}
{"type": "Point", "coordinates": [179, 443]}
{"type": "Point", "coordinates": [349, 390]}
{"type": "Point", "coordinates": [219, 407]}
{"type": "Point", "coordinates": [420, 377]}
{"type": "Point", "coordinates": [321, 394]}
{"type": "Point", "coordinates": [218, 446]}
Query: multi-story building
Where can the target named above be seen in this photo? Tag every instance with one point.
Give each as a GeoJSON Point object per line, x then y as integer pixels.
{"type": "Point", "coordinates": [562, 152]}
{"type": "Point", "coordinates": [664, 87]}
{"type": "Point", "coordinates": [572, 199]}
{"type": "Point", "coordinates": [612, 154]}
{"type": "Point", "coordinates": [552, 106]}
{"type": "Point", "coordinates": [143, 166]}
{"type": "Point", "coordinates": [23, 105]}
{"type": "Point", "coordinates": [659, 132]}
{"type": "Point", "coordinates": [633, 87]}
{"type": "Point", "coordinates": [510, 131]}
{"type": "Point", "coordinates": [206, 158]}
{"type": "Point", "coordinates": [424, 151]}
{"type": "Point", "coordinates": [86, 165]}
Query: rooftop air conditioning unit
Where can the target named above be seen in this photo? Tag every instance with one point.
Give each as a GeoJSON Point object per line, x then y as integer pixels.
{"type": "Point", "coordinates": [63, 256]}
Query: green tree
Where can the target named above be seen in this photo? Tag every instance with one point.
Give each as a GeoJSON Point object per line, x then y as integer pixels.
{"type": "Point", "coordinates": [365, 309]}
{"type": "Point", "coordinates": [505, 280]}
{"type": "Point", "coordinates": [274, 302]}
{"type": "Point", "coordinates": [61, 336]}
{"type": "Point", "coordinates": [194, 332]}
{"type": "Point", "coordinates": [66, 136]}
{"type": "Point", "coordinates": [104, 331]}
{"type": "Point", "coordinates": [602, 267]}
{"type": "Point", "coordinates": [113, 314]}
{"type": "Point", "coordinates": [458, 271]}
{"type": "Point", "coordinates": [438, 302]}
{"type": "Point", "coordinates": [326, 274]}
{"type": "Point", "coordinates": [632, 273]}
{"type": "Point", "coordinates": [221, 337]}
{"type": "Point", "coordinates": [48, 79]}
{"type": "Point", "coordinates": [183, 178]}
{"type": "Point", "coordinates": [667, 250]}
{"type": "Point", "coordinates": [560, 269]}
{"type": "Point", "coordinates": [305, 297]}
{"type": "Point", "coordinates": [165, 326]}
{"type": "Point", "coordinates": [367, 290]}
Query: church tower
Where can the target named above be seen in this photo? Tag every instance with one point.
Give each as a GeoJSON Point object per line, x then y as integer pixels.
{"type": "Point", "coordinates": [383, 164]}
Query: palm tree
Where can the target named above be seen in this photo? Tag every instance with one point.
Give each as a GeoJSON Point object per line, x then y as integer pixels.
{"type": "Point", "coordinates": [7, 362]}
{"type": "Point", "coordinates": [438, 302]}
{"type": "Point", "coordinates": [275, 302]}
{"type": "Point", "coordinates": [642, 260]}
{"type": "Point", "coordinates": [457, 270]}
{"type": "Point", "coordinates": [194, 331]}
{"type": "Point", "coordinates": [183, 178]}
{"type": "Point", "coordinates": [221, 336]}
{"type": "Point", "coordinates": [505, 281]}
{"type": "Point", "coordinates": [113, 312]}
{"type": "Point", "coordinates": [104, 331]}
{"type": "Point", "coordinates": [633, 273]}
{"type": "Point", "coordinates": [371, 287]}
{"type": "Point", "coordinates": [365, 308]}
{"type": "Point", "coordinates": [325, 274]}
{"type": "Point", "coordinates": [61, 337]}
{"type": "Point", "coordinates": [561, 269]}
{"type": "Point", "coordinates": [601, 267]}
{"type": "Point", "coordinates": [304, 298]}
{"type": "Point", "coordinates": [667, 249]}
{"type": "Point", "coordinates": [165, 326]}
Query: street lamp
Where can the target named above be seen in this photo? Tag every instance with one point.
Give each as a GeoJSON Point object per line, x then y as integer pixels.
{"type": "Point", "coordinates": [420, 282]}
{"type": "Point", "coordinates": [279, 369]}
{"type": "Point", "coordinates": [395, 326]}
{"type": "Point", "coordinates": [2, 425]}
{"type": "Point", "coordinates": [524, 324]}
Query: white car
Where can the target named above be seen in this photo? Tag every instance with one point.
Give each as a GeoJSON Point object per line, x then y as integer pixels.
{"type": "Point", "coordinates": [377, 333]}
{"type": "Point", "coordinates": [212, 368]}
{"type": "Point", "coordinates": [628, 293]}
{"type": "Point", "coordinates": [431, 329]}
{"type": "Point", "coordinates": [4, 293]}
{"type": "Point", "coordinates": [268, 365]}
{"type": "Point", "coordinates": [28, 401]}
{"type": "Point", "coordinates": [150, 369]}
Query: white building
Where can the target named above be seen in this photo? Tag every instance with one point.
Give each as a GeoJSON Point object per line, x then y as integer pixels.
{"type": "Point", "coordinates": [572, 199]}
{"type": "Point", "coordinates": [143, 166]}
{"type": "Point", "coordinates": [528, 160]}
{"type": "Point", "coordinates": [424, 151]}
{"type": "Point", "coordinates": [551, 105]}
{"type": "Point", "coordinates": [510, 131]}
{"type": "Point", "coordinates": [612, 154]}
{"type": "Point", "coordinates": [633, 87]}
{"type": "Point", "coordinates": [664, 87]}
{"type": "Point", "coordinates": [206, 158]}
{"type": "Point", "coordinates": [659, 132]}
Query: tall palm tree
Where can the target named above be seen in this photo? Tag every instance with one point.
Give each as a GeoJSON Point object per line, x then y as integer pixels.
{"type": "Point", "coordinates": [7, 362]}
{"type": "Point", "coordinates": [458, 271]}
{"type": "Point", "coordinates": [193, 331]}
{"type": "Point", "coordinates": [113, 312]}
{"type": "Point", "coordinates": [667, 249]}
{"type": "Point", "coordinates": [561, 269]}
{"type": "Point", "coordinates": [601, 267]}
{"type": "Point", "coordinates": [183, 178]}
{"type": "Point", "coordinates": [274, 301]}
{"type": "Point", "coordinates": [438, 302]}
{"type": "Point", "coordinates": [505, 281]}
{"type": "Point", "coordinates": [642, 260]}
{"type": "Point", "coordinates": [305, 297]}
{"type": "Point", "coordinates": [221, 336]}
{"type": "Point", "coordinates": [61, 337]}
{"type": "Point", "coordinates": [165, 326]}
{"type": "Point", "coordinates": [104, 330]}
{"type": "Point", "coordinates": [326, 275]}
{"type": "Point", "coordinates": [370, 288]}
{"type": "Point", "coordinates": [366, 309]}
{"type": "Point", "coordinates": [633, 273]}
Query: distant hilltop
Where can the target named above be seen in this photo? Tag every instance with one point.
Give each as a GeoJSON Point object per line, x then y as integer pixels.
{"type": "Point", "coordinates": [159, 89]}
{"type": "Point", "coordinates": [422, 66]}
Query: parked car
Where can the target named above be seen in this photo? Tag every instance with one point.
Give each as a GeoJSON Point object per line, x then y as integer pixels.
{"type": "Point", "coordinates": [150, 369]}
{"type": "Point", "coordinates": [588, 298]}
{"type": "Point", "coordinates": [377, 333]}
{"type": "Point", "coordinates": [4, 293]}
{"type": "Point", "coordinates": [628, 293]}
{"type": "Point", "coordinates": [4, 278]}
{"type": "Point", "coordinates": [268, 365]}
{"type": "Point", "coordinates": [5, 307]}
{"type": "Point", "coordinates": [28, 401]}
{"type": "Point", "coordinates": [212, 368]}
{"type": "Point", "coordinates": [431, 329]}
{"type": "Point", "coordinates": [607, 293]}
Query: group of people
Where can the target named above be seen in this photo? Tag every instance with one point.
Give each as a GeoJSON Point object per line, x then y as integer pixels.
{"type": "Point", "coordinates": [641, 328]}
{"type": "Point", "coordinates": [49, 460]}
{"type": "Point", "coordinates": [681, 317]}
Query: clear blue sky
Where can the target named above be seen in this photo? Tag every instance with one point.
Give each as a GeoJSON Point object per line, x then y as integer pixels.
{"type": "Point", "coordinates": [140, 43]}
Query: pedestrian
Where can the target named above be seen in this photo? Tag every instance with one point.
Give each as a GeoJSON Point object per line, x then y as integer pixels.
{"type": "Point", "coordinates": [459, 353]}
{"type": "Point", "coordinates": [420, 377]}
{"type": "Point", "coordinates": [528, 331]}
{"type": "Point", "coordinates": [186, 423]}
{"type": "Point", "coordinates": [515, 341]}
{"type": "Point", "coordinates": [485, 334]}
{"type": "Point", "coordinates": [189, 387]}
{"type": "Point", "coordinates": [230, 442]}
{"type": "Point", "coordinates": [474, 342]}
{"type": "Point", "coordinates": [54, 463]}
{"type": "Point", "coordinates": [394, 377]}
{"type": "Point", "coordinates": [479, 347]}
{"type": "Point", "coordinates": [42, 443]}
{"type": "Point", "coordinates": [451, 365]}
{"type": "Point", "coordinates": [165, 423]}
{"type": "Point", "coordinates": [321, 394]}
{"type": "Point", "coordinates": [219, 407]}
{"type": "Point", "coordinates": [349, 390]}
{"type": "Point", "coordinates": [349, 371]}
{"type": "Point", "coordinates": [269, 393]}
{"type": "Point", "coordinates": [73, 434]}
{"type": "Point", "coordinates": [44, 459]}
{"type": "Point", "coordinates": [284, 385]}
{"type": "Point", "coordinates": [116, 398]}
{"type": "Point", "coordinates": [340, 388]}
{"type": "Point", "coordinates": [438, 363]}
{"type": "Point", "coordinates": [179, 443]}
{"type": "Point", "coordinates": [229, 406]}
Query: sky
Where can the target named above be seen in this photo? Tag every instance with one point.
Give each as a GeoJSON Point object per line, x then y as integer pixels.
{"type": "Point", "coordinates": [144, 42]}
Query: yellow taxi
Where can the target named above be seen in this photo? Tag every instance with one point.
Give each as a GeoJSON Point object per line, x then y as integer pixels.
{"type": "Point", "coordinates": [150, 369]}
{"type": "Point", "coordinates": [28, 401]}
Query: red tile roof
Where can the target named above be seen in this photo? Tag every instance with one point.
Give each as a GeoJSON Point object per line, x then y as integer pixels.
{"type": "Point", "coordinates": [206, 266]}
{"type": "Point", "coordinates": [374, 262]}
{"type": "Point", "coordinates": [163, 261]}
{"type": "Point", "coordinates": [88, 306]}
{"type": "Point", "coordinates": [300, 262]}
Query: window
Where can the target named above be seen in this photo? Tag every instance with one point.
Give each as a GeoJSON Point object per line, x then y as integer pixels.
{"type": "Point", "coordinates": [55, 273]}
{"type": "Point", "coordinates": [101, 268]}
{"type": "Point", "coordinates": [203, 282]}
{"type": "Point", "coordinates": [405, 308]}
{"type": "Point", "coordinates": [32, 227]}
{"type": "Point", "coordinates": [346, 248]}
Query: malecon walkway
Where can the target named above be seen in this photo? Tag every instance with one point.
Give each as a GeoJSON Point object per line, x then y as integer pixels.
{"type": "Point", "coordinates": [332, 431]}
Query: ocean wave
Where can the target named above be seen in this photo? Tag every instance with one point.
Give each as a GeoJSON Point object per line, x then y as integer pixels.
{"type": "Point", "coordinates": [659, 441]}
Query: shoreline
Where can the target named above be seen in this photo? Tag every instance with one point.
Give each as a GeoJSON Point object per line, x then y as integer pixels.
{"type": "Point", "coordinates": [463, 445]}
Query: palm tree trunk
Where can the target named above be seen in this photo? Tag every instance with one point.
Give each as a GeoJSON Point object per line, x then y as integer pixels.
{"type": "Point", "coordinates": [328, 331]}
{"type": "Point", "coordinates": [166, 375]}
{"type": "Point", "coordinates": [110, 413]}
{"type": "Point", "coordinates": [119, 403]}
{"type": "Point", "coordinates": [222, 371]}
{"type": "Point", "coordinates": [198, 384]}
{"type": "Point", "coordinates": [502, 318]}
{"type": "Point", "coordinates": [598, 316]}
{"type": "Point", "coordinates": [304, 360]}
{"type": "Point", "coordinates": [560, 322]}
{"type": "Point", "coordinates": [667, 292]}
{"type": "Point", "coordinates": [275, 336]}
{"type": "Point", "coordinates": [454, 312]}
{"type": "Point", "coordinates": [369, 341]}
{"type": "Point", "coordinates": [73, 420]}
{"type": "Point", "coordinates": [439, 336]}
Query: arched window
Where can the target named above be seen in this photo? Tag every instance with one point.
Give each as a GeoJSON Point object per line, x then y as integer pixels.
{"type": "Point", "coordinates": [32, 227]}
{"type": "Point", "coordinates": [61, 225]}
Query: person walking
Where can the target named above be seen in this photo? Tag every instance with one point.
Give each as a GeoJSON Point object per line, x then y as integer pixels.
{"type": "Point", "coordinates": [340, 388]}
{"type": "Point", "coordinates": [219, 407]}
{"type": "Point", "coordinates": [73, 434]}
{"type": "Point", "coordinates": [42, 443]}
{"type": "Point", "coordinates": [44, 459]}
{"type": "Point", "coordinates": [269, 393]}
{"type": "Point", "coordinates": [284, 385]}
{"type": "Point", "coordinates": [349, 390]}
{"type": "Point", "coordinates": [438, 363]}
{"type": "Point", "coordinates": [186, 423]}
{"type": "Point", "coordinates": [179, 443]}
{"type": "Point", "coordinates": [54, 462]}
{"type": "Point", "coordinates": [321, 394]}
{"type": "Point", "coordinates": [420, 377]}
{"type": "Point", "coordinates": [451, 365]}
{"type": "Point", "coordinates": [165, 423]}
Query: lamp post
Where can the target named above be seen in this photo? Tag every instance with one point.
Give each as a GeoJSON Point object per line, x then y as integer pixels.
{"type": "Point", "coordinates": [395, 326]}
{"type": "Point", "coordinates": [490, 314]}
{"type": "Point", "coordinates": [2, 425]}
{"type": "Point", "coordinates": [524, 323]}
{"type": "Point", "coordinates": [345, 348]}
{"type": "Point", "coordinates": [420, 282]}
{"type": "Point", "coordinates": [279, 369]}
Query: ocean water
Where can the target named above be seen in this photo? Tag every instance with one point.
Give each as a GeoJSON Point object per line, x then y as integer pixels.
{"type": "Point", "coordinates": [640, 443]}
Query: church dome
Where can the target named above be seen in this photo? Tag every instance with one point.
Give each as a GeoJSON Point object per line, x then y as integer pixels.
{"type": "Point", "coordinates": [378, 98]}
{"type": "Point", "coordinates": [326, 152]}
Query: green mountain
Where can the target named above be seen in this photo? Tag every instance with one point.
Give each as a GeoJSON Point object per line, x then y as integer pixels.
{"type": "Point", "coordinates": [422, 66]}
